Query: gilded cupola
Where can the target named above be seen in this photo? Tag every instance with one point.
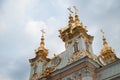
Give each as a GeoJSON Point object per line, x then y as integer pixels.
{"type": "Point", "coordinates": [41, 52]}
{"type": "Point", "coordinates": [74, 27]}
{"type": "Point", "coordinates": [107, 54]}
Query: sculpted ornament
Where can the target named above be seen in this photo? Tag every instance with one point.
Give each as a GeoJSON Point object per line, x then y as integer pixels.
{"type": "Point", "coordinates": [48, 71]}
{"type": "Point", "coordinates": [56, 60]}
{"type": "Point", "coordinates": [78, 55]}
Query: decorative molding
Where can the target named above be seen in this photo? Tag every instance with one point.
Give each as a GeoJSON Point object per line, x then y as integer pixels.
{"type": "Point", "coordinates": [56, 60]}
{"type": "Point", "coordinates": [86, 62]}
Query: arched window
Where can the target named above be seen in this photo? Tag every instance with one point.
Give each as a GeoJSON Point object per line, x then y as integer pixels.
{"type": "Point", "coordinates": [35, 69]}
{"type": "Point", "coordinates": [75, 47]}
{"type": "Point", "coordinates": [87, 46]}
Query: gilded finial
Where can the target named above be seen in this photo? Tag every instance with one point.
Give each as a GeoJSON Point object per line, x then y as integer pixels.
{"type": "Point", "coordinates": [70, 17]}
{"type": "Point", "coordinates": [42, 51]}
{"type": "Point", "coordinates": [55, 55]}
{"type": "Point", "coordinates": [104, 39]}
{"type": "Point", "coordinates": [43, 32]}
{"type": "Point", "coordinates": [107, 53]}
{"type": "Point", "coordinates": [102, 32]}
{"type": "Point", "coordinates": [77, 20]}
{"type": "Point", "coordinates": [42, 39]}
{"type": "Point", "coordinates": [70, 11]}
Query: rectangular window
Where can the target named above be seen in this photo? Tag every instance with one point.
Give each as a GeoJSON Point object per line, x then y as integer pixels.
{"type": "Point", "coordinates": [35, 69]}
{"type": "Point", "coordinates": [87, 46]}
{"type": "Point", "coordinates": [75, 47]}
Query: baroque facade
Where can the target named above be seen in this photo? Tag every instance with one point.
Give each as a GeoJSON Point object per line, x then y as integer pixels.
{"type": "Point", "coordinates": [77, 62]}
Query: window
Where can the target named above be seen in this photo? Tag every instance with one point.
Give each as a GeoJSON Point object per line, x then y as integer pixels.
{"type": "Point", "coordinates": [35, 69]}
{"type": "Point", "coordinates": [56, 61]}
{"type": "Point", "coordinates": [87, 46]}
{"type": "Point", "coordinates": [75, 46]}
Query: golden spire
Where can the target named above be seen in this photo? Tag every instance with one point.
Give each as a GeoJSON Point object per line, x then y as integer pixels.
{"type": "Point", "coordinates": [41, 51]}
{"type": "Point", "coordinates": [107, 54]}
{"type": "Point", "coordinates": [42, 39]}
{"type": "Point", "coordinates": [104, 40]}
{"type": "Point", "coordinates": [70, 16]}
{"type": "Point", "coordinates": [77, 20]}
{"type": "Point", "coordinates": [76, 15]}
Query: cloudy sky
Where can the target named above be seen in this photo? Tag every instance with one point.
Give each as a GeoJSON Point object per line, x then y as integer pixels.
{"type": "Point", "coordinates": [22, 20]}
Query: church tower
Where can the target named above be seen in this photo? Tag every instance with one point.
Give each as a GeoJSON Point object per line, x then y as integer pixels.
{"type": "Point", "coordinates": [78, 42]}
{"type": "Point", "coordinates": [38, 63]}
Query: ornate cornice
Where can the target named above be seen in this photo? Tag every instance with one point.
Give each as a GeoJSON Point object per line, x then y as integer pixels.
{"type": "Point", "coordinates": [47, 72]}
{"type": "Point", "coordinates": [76, 66]}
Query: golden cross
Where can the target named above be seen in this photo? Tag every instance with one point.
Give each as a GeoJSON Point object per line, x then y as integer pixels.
{"type": "Point", "coordinates": [76, 10]}
{"type": "Point", "coordinates": [102, 32]}
{"type": "Point", "coordinates": [43, 32]}
{"type": "Point", "coordinates": [69, 9]}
